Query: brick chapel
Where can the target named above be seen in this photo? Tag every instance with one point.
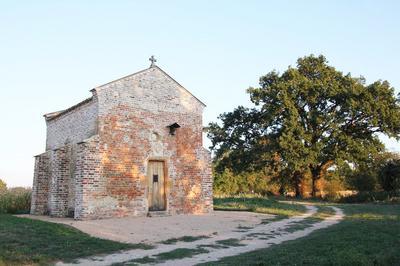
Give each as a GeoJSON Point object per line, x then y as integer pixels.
{"type": "Point", "coordinates": [133, 148]}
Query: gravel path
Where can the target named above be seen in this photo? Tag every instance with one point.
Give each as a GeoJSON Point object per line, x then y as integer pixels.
{"type": "Point", "coordinates": [261, 236]}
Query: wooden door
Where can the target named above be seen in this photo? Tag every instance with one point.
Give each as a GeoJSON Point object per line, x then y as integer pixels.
{"type": "Point", "coordinates": [156, 195]}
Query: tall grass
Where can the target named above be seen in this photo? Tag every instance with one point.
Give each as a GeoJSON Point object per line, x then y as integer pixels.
{"type": "Point", "coordinates": [15, 200]}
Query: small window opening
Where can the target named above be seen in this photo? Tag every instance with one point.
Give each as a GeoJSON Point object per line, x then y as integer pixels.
{"type": "Point", "coordinates": [155, 178]}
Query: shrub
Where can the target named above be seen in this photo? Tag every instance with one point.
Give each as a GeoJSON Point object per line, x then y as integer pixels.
{"type": "Point", "coordinates": [15, 200]}
{"type": "Point", "coordinates": [229, 183]}
{"type": "Point", "coordinates": [3, 186]}
{"type": "Point", "coordinates": [225, 183]}
{"type": "Point", "coordinates": [363, 180]}
{"type": "Point", "coordinates": [370, 196]}
{"type": "Point", "coordinates": [389, 176]}
{"type": "Point", "coordinates": [366, 177]}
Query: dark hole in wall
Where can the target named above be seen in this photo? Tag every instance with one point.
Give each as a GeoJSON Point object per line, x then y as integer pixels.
{"type": "Point", "coordinates": [155, 178]}
{"type": "Point", "coordinates": [71, 213]}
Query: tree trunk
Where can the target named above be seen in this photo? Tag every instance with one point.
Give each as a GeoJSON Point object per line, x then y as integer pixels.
{"type": "Point", "coordinates": [298, 191]}
{"type": "Point", "coordinates": [313, 188]}
{"type": "Point", "coordinates": [282, 190]}
{"type": "Point", "coordinates": [315, 175]}
{"type": "Point", "coordinates": [317, 172]}
{"type": "Point", "coordinates": [297, 183]}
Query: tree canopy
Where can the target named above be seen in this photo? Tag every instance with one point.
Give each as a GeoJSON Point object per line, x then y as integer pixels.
{"type": "Point", "coordinates": [311, 117]}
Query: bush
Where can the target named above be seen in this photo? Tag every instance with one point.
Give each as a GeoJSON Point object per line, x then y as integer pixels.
{"type": "Point", "coordinates": [15, 200]}
{"type": "Point", "coordinates": [229, 183]}
{"type": "Point", "coordinates": [367, 175]}
{"type": "Point", "coordinates": [389, 176]}
{"type": "Point", "coordinates": [225, 183]}
{"type": "Point", "coordinates": [363, 180]}
{"type": "Point", "coordinates": [3, 186]}
{"type": "Point", "coordinates": [370, 196]}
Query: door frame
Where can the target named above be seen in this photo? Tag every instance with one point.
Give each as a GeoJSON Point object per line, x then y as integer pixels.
{"type": "Point", "coordinates": [164, 161]}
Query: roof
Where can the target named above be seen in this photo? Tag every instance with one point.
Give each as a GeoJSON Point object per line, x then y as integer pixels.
{"type": "Point", "coordinates": [141, 71]}
{"type": "Point", "coordinates": [53, 115]}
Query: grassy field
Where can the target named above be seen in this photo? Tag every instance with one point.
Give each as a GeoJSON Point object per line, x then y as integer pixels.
{"type": "Point", "coordinates": [369, 235]}
{"type": "Point", "coordinates": [26, 241]}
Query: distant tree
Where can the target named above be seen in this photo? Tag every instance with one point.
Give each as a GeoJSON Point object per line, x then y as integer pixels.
{"type": "Point", "coordinates": [389, 175]}
{"type": "Point", "coordinates": [3, 185]}
{"type": "Point", "coordinates": [365, 176]}
{"type": "Point", "coordinates": [312, 116]}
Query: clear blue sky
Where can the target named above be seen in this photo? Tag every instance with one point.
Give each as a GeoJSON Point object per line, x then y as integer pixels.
{"type": "Point", "coordinates": [53, 52]}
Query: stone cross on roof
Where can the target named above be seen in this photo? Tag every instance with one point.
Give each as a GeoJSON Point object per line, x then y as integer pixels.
{"type": "Point", "coordinates": [152, 59]}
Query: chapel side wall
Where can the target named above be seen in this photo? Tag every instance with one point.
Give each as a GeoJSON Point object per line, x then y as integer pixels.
{"type": "Point", "coordinates": [63, 134]}
{"type": "Point", "coordinates": [134, 113]}
{"type": "Point", "coordinates": [40, 187]}
{"type": "Point", "coordinates": [72, 127]}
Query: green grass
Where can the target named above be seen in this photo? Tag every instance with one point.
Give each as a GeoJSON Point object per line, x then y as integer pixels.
{"type": "Point", "coordinates": [230, 242]}
{"type": "Point", "coordinates": [183, 239]}
{"type": "Point", "coordinates": [144, 260]}
{"type": "Point", "coordinates": [212, 246]}
{"type": "Point", "coordinates": [368, 235]}
{"type": "Point", "coordinates": [175, 254]}
{"type": "Point", "coordinates": [27, 241]}
{"type": "Point", "coordinates": [322, 213]}
{"type": "Point", "coordinates": [244, 227]}
{"type": "Point", "coordinates": [224, 243]}
{"type": "Point", "coordinates": [260, 205]}
{"type": "Point", "coordinates": [274, 219]}
{"type": "Point", "coordinates": [264, 236]}
{"type": "Point", "coordinates": [180, 253]}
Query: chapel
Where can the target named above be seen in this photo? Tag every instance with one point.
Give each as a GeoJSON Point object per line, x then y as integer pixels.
{"type": "Point", "coordinates": [133, 148]}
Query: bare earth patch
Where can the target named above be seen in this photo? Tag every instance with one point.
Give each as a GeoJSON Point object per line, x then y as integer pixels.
{"type": "Point", "coordinates": [153, 230]}
{"type": "Point", "coordinates": [196, 239]}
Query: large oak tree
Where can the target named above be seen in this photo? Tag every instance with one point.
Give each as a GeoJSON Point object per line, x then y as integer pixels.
{"type": "Point", "coordinates": [311, 117]}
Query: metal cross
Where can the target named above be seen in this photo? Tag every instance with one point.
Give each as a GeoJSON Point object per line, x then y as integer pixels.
{"type": "Point", "coordinates": [152, 60]}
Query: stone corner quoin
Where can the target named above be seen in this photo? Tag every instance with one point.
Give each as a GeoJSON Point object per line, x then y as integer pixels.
{"type": "Point", "coordinates": [134, 146]}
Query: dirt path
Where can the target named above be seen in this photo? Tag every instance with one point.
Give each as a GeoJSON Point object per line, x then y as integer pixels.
{"type": "Point", "coordinates": [257, 243]}
{"type": "Point", "coordinates": [228, 244]}
{"type": "Point", "coordinates": [157, 229]}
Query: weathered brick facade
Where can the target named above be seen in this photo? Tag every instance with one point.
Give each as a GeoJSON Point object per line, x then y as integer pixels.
{"type": "Point", "coordinates": [98, 152]}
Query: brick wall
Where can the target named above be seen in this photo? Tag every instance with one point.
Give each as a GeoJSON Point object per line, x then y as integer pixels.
{"type": "Point", "coordinates": [40, 188]}
{"type": "Point", "coordinates": [73, 126]}
{"type": "Point", "coordinates": [134, 113]}
{"type": "Point", "coordinates": [63, 133]}
{"type": "Point", "coordinates": [89, 181]}
{"type": "Point", "coordinates": [59, 181]}
{"type": "Point", "coordinates": [207, 181]}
